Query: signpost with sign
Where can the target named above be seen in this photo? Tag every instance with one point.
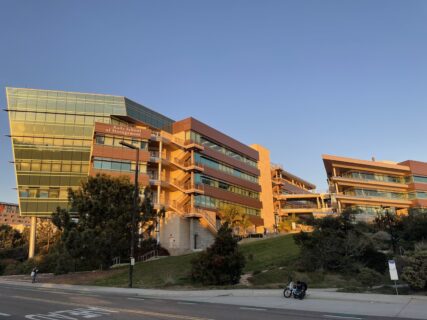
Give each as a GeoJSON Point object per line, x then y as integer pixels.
{"type": "Point", "coordinates": [393, 273]}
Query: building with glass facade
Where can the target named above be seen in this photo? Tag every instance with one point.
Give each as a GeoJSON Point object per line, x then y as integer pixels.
{"type": "Point", "coordinates": [60, 138]}
{"type": "Point", "coordinates": [371, 186]}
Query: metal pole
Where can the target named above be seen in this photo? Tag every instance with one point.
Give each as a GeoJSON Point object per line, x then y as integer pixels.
{"type": "Point", "coordinates": [134, 212]}
{"type": "Point", "coordinates": [395, 286]}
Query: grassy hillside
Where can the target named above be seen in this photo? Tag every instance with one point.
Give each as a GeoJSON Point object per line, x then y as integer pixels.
{"type": "Point", "coordinates": [271, 254]}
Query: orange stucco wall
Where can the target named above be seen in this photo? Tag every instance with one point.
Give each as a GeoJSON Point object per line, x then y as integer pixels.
{"type": "Point", "coordinates": [266, 196]}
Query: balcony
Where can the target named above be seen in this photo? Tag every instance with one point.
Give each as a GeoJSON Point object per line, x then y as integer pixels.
{"type": "Point", "coordinates": [188, 164]}
{"type": "Point", "coordinates": [300, 206]}
{"type": "Point", "coordinates": [371, 177]}
{"type": "Point", "coordinates": [187, 144]}
{"type": "Point", "coordinates": [188, 186]}
{"type": "Point", "coordinates": [209, 217]}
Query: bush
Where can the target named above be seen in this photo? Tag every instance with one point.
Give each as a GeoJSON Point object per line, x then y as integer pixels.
{"type": "Point", "coordinates": [374, 259]}
{"type": "Point", "coordinates": [369, 277]}
{"type": "Point", "coordinates": [415, 273]}
{"type": "Point", "coordinates": [57, 261]}
{"type": "Point", "coordinates": [222, 263]}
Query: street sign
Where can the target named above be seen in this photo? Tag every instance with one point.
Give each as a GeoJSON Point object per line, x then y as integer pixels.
{"type": "Point", "coordinates": [132, 261]}
{"type": "Point", "coordinates": [393, 270]}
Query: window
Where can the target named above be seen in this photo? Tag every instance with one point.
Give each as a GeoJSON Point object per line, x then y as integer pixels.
{"type": "Point", "coordinates": [99, 139]}
{"type": "Point", "coordinates": [419, 179]}
{"type": "Point", "coordinates": [115, 166]}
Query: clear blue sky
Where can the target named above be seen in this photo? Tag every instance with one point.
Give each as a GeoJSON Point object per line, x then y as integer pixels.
{"type": "Point", "coordinates": [300, 77]}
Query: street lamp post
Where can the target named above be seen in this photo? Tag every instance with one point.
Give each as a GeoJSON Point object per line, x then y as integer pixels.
{"type": "Point", "coordinates": [134, 211]}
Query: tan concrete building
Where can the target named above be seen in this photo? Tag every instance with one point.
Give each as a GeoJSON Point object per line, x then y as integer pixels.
{"type": "Point", "coordinates": [371, 186]}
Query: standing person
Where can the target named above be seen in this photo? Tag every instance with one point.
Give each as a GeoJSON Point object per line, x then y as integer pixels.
{"type": "Point", "coordinates": [34, 274]}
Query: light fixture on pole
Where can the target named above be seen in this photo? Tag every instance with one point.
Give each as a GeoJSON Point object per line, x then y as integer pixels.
{"type": "Point", "coordinates": [134, 211]}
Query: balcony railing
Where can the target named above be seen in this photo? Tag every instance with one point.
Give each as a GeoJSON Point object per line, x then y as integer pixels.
{"type": "Point", "coordinates": [372, 177]}
{"type": "Point", "coordinates": [187, 163]}
{"type": "Point", "coordinates": [300, 206]}
{"type": "Point", "coordinates": [384, 195]}
{"type": "Point", "coordinates": [187, 185]}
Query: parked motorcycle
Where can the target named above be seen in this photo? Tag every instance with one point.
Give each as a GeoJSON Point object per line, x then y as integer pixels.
{"type": "Point", "coordinates": [298, 292]}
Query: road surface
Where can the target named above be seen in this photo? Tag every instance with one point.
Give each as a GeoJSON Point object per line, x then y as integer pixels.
{"type": "Point", "coordinates": [39, 303]}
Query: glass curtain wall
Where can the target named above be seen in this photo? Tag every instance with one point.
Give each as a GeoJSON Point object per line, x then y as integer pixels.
{"type": "Point", "coordinates": [52, 134]}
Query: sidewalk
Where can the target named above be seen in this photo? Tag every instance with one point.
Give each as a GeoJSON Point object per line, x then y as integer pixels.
{"type": "Point", "coordinates": [319, 300]}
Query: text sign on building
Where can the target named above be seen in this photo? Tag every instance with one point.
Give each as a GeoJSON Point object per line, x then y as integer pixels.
{"type": "Point", "coordinates": [393, 270]}
{"type": "Point", "coordinates": [124, 131]}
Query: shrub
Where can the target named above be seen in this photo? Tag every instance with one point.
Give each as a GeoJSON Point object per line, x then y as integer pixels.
{"type": "Point", "coordinates": [222, 263]}
{"type": "Point", "coordinates": [374, 259]}
{"type": "Point", "coordinates": [369, 277]}
{"type": "Point", "coordinates": [415, 273]}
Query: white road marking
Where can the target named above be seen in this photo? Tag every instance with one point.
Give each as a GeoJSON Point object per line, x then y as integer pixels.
{"type": "Point", "coordinates": [340, 317]}
{"type": "Point", "coordinates": [4, 314]}
{"type": "Point", "coordinates": [91, 312]}
{"type": "Point", "coordinates": [136, 299]}
{"type": "Point", "coordinates": [251, 308]}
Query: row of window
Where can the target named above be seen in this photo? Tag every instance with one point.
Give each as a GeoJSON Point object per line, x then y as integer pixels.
{"type": "Point", "coordinates": [63, 95]}
{"type": "Point", "coordinates": [51, 129]}
{"type": "Point", "coordinates": [194, 136]}
{"type": "Point", "coordinates": [224, 168]}
{"type": "Point", "coordinates": [366, 193]}
{"type": "Point", "coordinates": [41, 207]}
{"type": "Point", "coordinates": [44, 193]}
{"type": "Point", "coordinates": [89, 104]}
{"type": "Point", "coordinates": [225, 186]}
{"type": "Point", "coordinates": [373, 176]}
{"type": "Point", "coordinates": [384, 178]}
{"type": "Point", "coordinates": [57, 117]}
{"type": "Point", "coordinates": [45, 141]}
{"type": "Point", "coordinates": [118, 165]}
{"type": "Point", "coordinates": [209, 202]}
{"type": "Point", "coordinates": [44, 166]}
{"type": "Point", "coordinates": [417, 179]}
{"type": "Point", "coordinates": [148, 116]}
{"type": "Point", "coordinates": [417, 195]}
{"type": "Point", "coordinates": [43, 179]}
{"type": "Point", "coordinates": [115, 141]}
{"type": "Point", "coordinates": [52, 154]}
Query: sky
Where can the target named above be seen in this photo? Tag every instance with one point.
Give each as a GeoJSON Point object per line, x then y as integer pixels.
{"type": "Point", "coordinates": [303, 78]}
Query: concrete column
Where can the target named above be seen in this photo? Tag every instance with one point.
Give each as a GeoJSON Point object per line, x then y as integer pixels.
{"type": "Point", "coordinates": [160, 171]}
{"type": "Point", "coordinates": [159, 189]}
{"type": "Point", "coordinates": [32, 247]}
{"type": "Point", "coordinates": [192, 227]}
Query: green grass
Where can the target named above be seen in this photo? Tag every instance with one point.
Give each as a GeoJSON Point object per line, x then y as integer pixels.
{"type": "Point", "coordinates": [165, 272]}
{"type": "Point", "coordinates": [174, 271]}
{"type": "Point", "coordinates": [270, 253]}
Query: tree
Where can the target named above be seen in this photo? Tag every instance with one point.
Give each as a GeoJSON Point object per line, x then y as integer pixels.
{"type": "Point", "coordinates": [388, 222]}
{"type": "Point", "coordinates": [336, 244]}
{"type": "Point", "coordinates": [10, 238]}
{"type": "Point", "coordinates": [101, 230]}
{"type": "Point", "coordinates": [235, 218]}
{"type": "Point", "coordinates": [47, 234]}
{"type": "Point", "coordinates": [412, 229]}
{"type": "Point", "coordinates": [222, 263]}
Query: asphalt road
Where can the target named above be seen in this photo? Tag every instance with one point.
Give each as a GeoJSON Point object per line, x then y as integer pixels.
{"type": "Point", "coordinates": [48, 304]}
